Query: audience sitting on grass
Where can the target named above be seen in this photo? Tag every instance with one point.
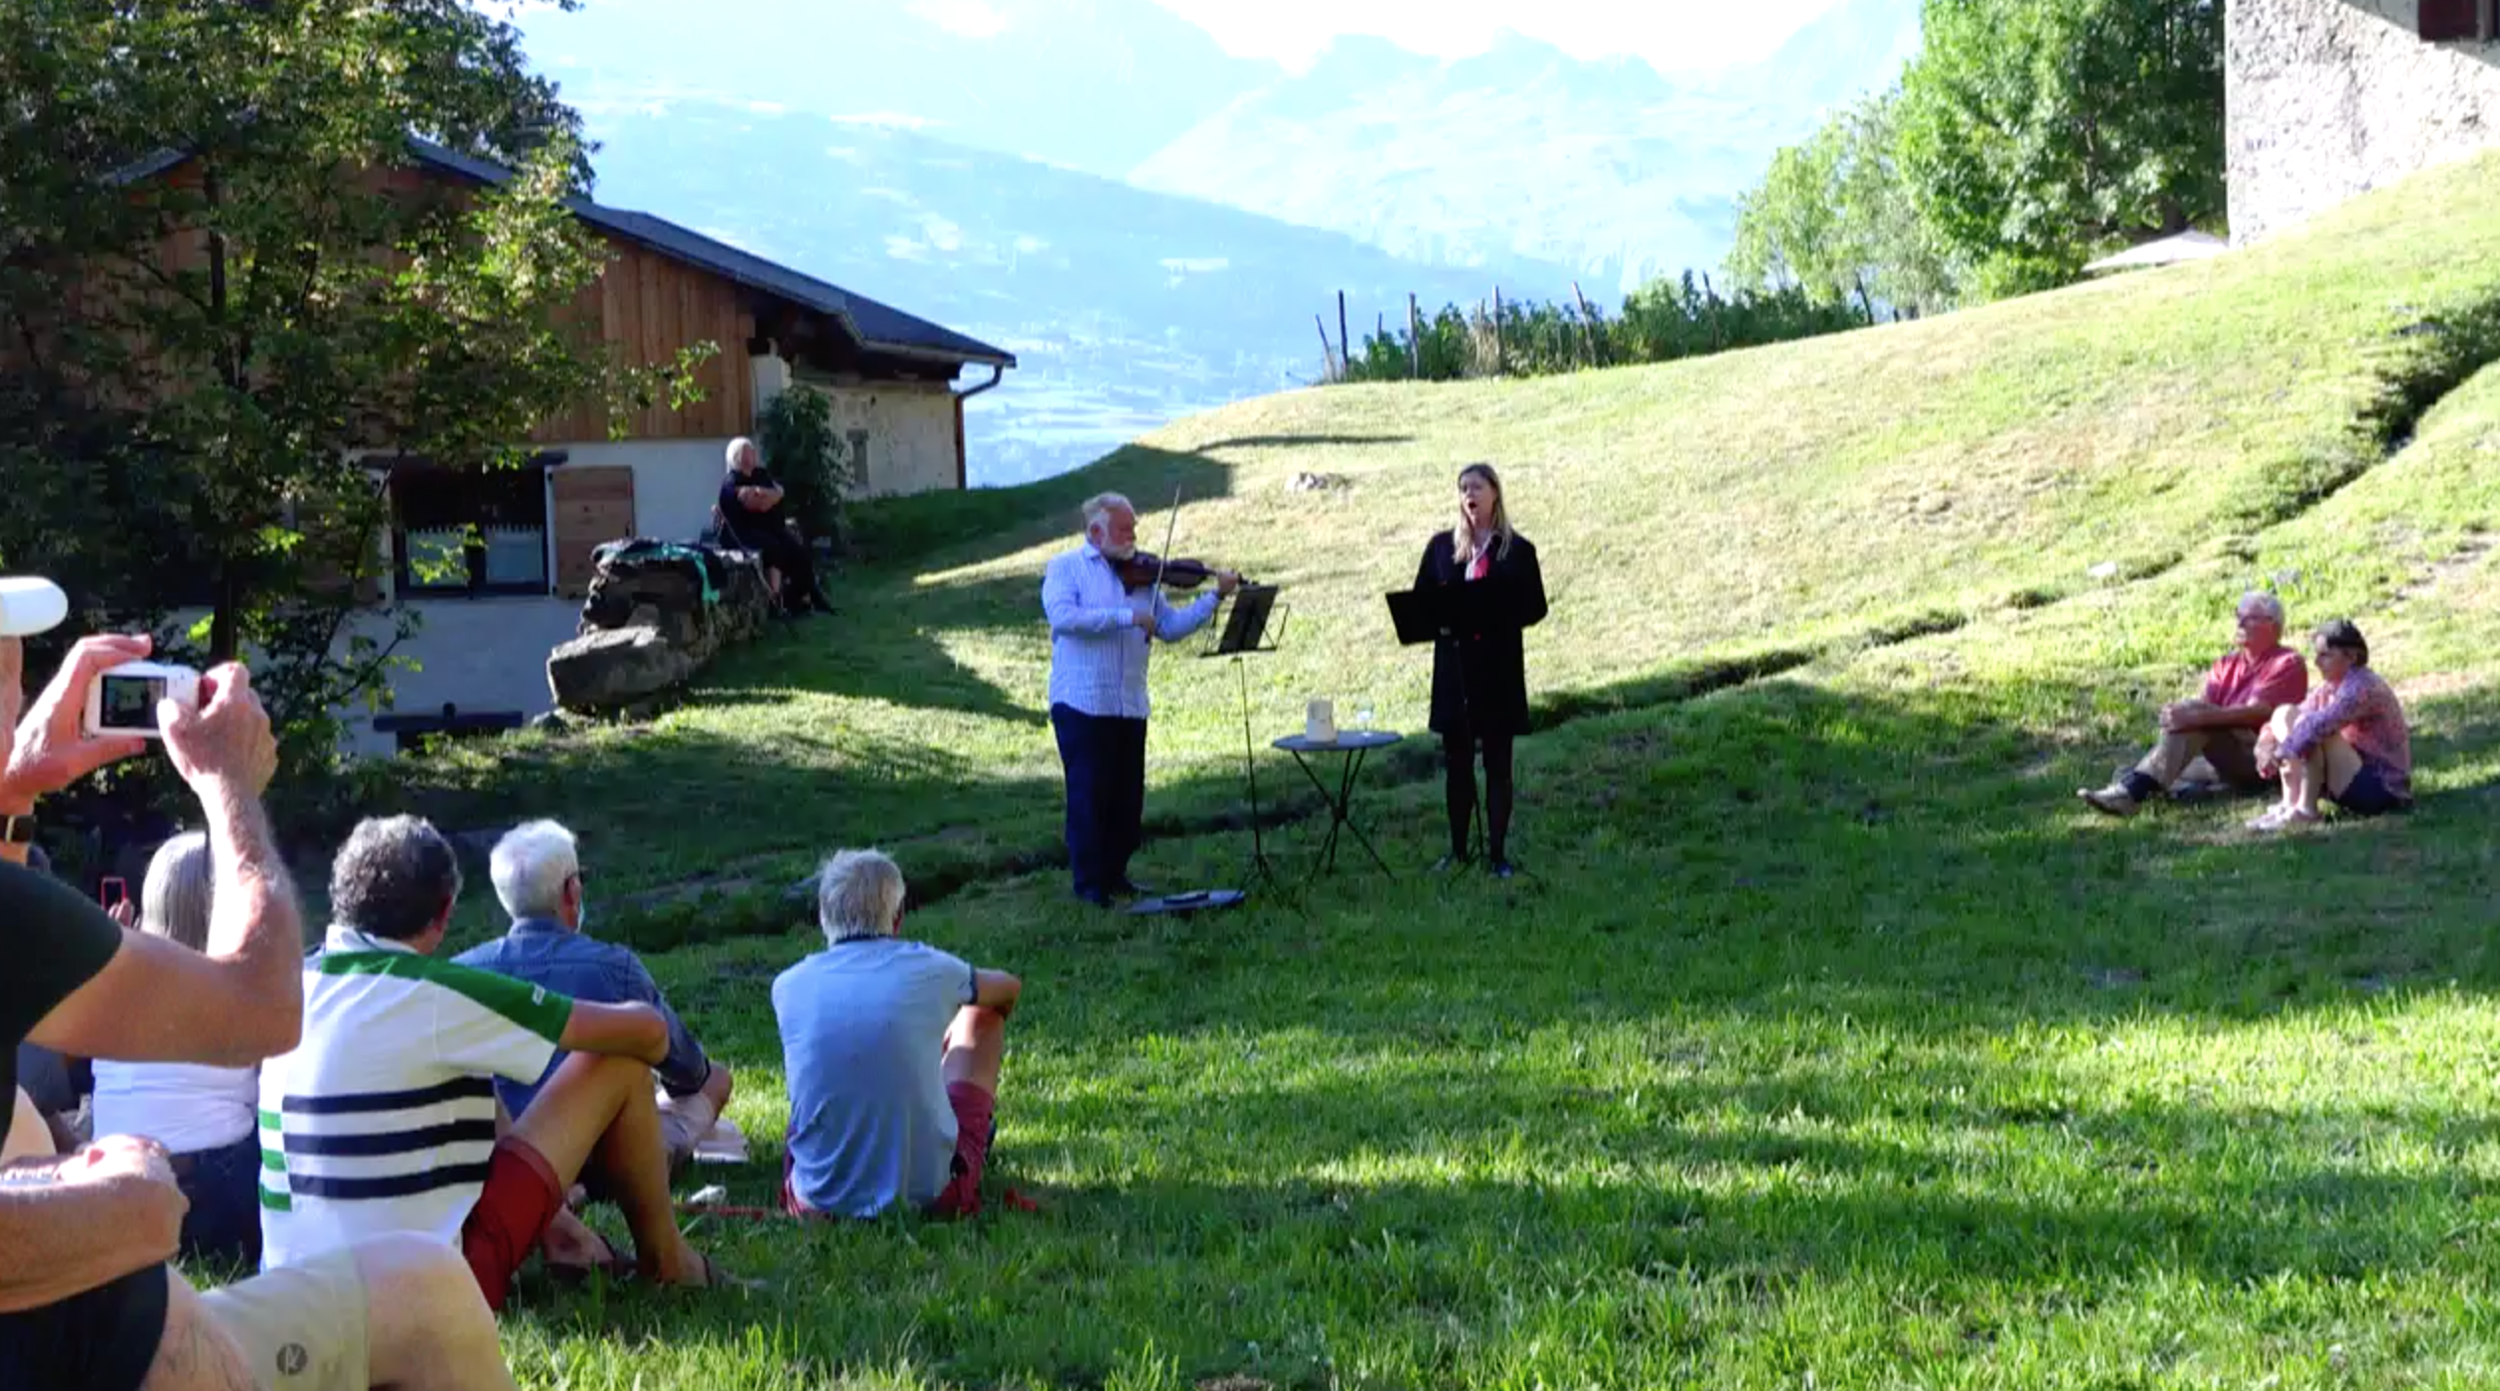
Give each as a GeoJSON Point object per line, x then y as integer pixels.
{"type": "Point", "coordinates": [2346, 743]}
{"type": "Point", "coordinates": [202, 1115]}
{"type": "Point", "coordinates": [893, 1052]}
{"type": "Point", "coordinates": [88, 1299]}
{"type": "Point", "coordinates": [2221, 725]}
{"type": "Point", "coordinates": [384, 1119]}
{"type": "Point", "coordinates": [537, 874]}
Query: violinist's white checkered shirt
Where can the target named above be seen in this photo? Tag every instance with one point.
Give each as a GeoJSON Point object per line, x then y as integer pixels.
{"type": "Point", "coordinates": [1097, 651]}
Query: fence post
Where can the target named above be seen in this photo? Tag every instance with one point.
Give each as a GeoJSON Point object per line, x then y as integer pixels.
{"type": "Point", "coordinates": [1414, 340]}
{"type": "Point", "coordinates": [1345, 341]}
{"type": "Point", "coordinates": [1327, 360]}
{"type": "Point", "coordinates": [1588, 325]}
{"type": "Point", "coordinates": [1501, 364]}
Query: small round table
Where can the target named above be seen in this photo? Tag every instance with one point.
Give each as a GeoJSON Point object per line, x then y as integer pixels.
{"type": "Point", "coordinates": [1352, 746]}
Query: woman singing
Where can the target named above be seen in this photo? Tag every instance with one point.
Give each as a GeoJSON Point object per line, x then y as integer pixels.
{"type": "Point", "coordinates": [1479, 677]}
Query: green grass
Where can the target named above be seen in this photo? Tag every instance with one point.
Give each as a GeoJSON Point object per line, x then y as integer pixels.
{"type": "Point", "coordinates": [1831, 1044]}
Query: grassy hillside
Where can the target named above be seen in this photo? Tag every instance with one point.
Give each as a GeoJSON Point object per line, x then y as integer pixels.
{"type": "Point", "coordinates": [1830, 1043]}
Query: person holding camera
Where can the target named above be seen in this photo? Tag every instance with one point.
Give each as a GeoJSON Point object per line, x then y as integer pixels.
{"type": "Point", "coordinates": [88, 1299]}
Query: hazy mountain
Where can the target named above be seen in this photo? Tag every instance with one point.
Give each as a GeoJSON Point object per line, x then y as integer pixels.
{"type": "Point", "coordinates": [959, 182]}
{"type": "Point", "coordinates": [1090, 84]}
{"type": "Point", "coordinates": [1127, 308]}
{"type": "Point", "coordinates": [1607, 166]}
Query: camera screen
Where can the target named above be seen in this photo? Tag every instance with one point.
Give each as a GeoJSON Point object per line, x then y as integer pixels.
{"type": "Point", "coordinates": [129, 702]}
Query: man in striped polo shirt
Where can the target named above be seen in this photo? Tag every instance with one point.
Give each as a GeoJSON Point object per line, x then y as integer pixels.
{"type": "Point", "coordinates": [384, 1118]}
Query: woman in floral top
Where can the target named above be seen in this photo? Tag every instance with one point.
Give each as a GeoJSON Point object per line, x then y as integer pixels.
{"type": "Point", "coordinates": [2345, 743]}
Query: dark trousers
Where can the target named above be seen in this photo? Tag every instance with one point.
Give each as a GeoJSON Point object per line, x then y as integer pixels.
{"type": "Point", "coordinates": [223, 1223]}
{"type": "Point", "coordinates": [1104, 757]}
{"type": "Point", "coordinates": [795, 559]}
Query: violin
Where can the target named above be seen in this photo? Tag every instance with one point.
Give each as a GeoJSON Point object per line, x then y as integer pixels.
{"type": "Point", "coordinates": [1143, 568]}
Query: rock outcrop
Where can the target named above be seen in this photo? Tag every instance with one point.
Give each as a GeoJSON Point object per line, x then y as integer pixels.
{"type": "Point", "coordinates": [658, 613]}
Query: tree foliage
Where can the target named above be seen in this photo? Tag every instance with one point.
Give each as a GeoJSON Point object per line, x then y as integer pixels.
{"type": "Point", "coordinates": [2026, 137]}
{"type": "Point", "coordinates": [1665, 320]}
{"type": "Point", "coordinates": [201, 349]}
{"type": "Point", "coordinates": [2038, 132]}
{"type": "Point", "coordinates": [809, 459]}
{"type": "Point", "coordinates": [1835, 219]}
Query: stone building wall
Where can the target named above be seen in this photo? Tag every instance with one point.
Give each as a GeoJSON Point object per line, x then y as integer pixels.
{"type": "Point", "coordinates": [2332, 98]}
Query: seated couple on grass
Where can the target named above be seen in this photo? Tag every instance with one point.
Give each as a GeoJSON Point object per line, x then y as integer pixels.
{"type": "Point", "coordinates": [2258, 726]}
{"type": "Point", "coordinates": [385, 1119]}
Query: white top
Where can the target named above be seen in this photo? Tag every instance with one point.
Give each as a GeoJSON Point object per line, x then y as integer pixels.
{"type": "Point", "coordinates": [383, 1118]}
{"type": "Point", "coordinates": [1097, 651]}
{"type": "Point", "coordinates": [182, 1106]}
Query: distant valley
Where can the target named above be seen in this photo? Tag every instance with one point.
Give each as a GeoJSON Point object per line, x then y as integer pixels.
{"type": "Point", "coordinates": [1149, 222]}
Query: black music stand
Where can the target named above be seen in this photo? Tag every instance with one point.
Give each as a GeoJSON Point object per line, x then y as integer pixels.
{"type": "Point", "coordinates": [1245, 632]}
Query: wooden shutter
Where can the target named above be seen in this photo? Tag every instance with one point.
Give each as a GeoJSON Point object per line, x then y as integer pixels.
{"type": "Point", "coordinates": [593, 506]}
{"type": "Point", "coordinates": [2445, 21]}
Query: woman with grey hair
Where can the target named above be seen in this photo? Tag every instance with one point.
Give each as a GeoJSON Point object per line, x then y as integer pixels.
{"type": "Point", "coordinates": [205, 1117]}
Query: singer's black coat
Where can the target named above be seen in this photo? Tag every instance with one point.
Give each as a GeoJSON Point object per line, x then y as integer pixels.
{"type": "Point", "coordinates": [1480, 677]}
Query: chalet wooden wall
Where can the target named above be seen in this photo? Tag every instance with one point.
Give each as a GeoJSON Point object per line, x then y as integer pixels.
{"type": "Point", "coordinates": [649, 307]}
{"type": "Point", "coordinates": [646, 305]}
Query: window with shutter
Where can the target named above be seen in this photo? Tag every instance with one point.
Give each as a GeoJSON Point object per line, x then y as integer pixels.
{"type": "Point", "coordinates": [466, 531]}
{"type": "Point", "coordinates": [2448, 21]}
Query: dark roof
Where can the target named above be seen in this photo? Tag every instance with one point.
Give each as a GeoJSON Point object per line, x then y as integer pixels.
{"type": "Point", "coordinates": [876, 326]}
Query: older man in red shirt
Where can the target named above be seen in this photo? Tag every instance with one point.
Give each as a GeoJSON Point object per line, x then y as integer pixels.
{"type": "Point", "coordinates": [2242, 692]}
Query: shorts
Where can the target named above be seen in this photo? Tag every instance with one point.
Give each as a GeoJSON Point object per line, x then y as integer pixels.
{"type": "Point", "coordinates": [301, 1327]}
{"type": "Point", "coordinates": [684, 1121]}
{"type": "Point", "coordinates": [2368, 795]}
{"type": "Point", "coordinates": [976, 1126]}
{"type": "Point", "coordinates": [511, 1216]}
{"type": "Point", "coordinates": [102, 1340]}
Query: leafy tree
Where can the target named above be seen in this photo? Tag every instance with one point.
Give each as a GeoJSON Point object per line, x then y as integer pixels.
{"type": "Point", "coordinates": [1835, 219]}
{"type": "Point", "coordinates": [813, 464]}
{"type": "Point", "coordinates": [198, 348]}
{"type": "Point", "coordinates": [2037, 132]}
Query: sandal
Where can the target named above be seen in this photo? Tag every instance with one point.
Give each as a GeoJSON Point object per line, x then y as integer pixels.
{"type": "Point", "coordinates": [618, 1265]}
{"type": "Point", "coordinates": [716, 1278]}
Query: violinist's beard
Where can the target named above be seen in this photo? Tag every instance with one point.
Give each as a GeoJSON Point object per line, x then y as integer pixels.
{"type": "Point", "coordinates": [1117, 552]}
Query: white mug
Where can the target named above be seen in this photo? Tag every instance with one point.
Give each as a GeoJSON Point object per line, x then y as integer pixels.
{"type": "Point", "coordinates": [1320, 727]}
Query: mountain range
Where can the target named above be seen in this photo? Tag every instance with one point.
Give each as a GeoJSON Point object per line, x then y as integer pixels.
{"type": "Point", "coordinates": [1149, 221]}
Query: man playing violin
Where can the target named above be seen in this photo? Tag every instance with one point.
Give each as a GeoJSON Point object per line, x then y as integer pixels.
{"type": "Point", "coordinates": [1104, 613]}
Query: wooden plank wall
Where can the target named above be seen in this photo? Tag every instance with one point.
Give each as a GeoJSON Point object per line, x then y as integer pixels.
{"type": "Point", "coordinates": [646, 305]}
{"type": "Point", "coordinates": [649, 307]}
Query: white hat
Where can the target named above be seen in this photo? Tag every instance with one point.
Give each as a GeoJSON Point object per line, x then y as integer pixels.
{"type": "Point", "coordinates": [29, 606]}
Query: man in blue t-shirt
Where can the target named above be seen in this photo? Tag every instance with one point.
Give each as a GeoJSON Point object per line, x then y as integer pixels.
{"type": "Point", "coordinates": [893, 1051]}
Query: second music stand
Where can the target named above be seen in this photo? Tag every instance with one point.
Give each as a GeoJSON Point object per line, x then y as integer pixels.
{"type": "Point", "coordinates": [1245, 632]}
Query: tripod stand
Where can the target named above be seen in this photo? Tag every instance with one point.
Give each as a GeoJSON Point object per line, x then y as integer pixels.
{"type": "Point", "coordinates": [1244, 633]}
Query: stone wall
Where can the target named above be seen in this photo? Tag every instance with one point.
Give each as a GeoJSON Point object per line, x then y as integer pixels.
{"type": "Point", "coordinates": [2329, 99]}
{"type": "Point", "coordinates": [902, 435]}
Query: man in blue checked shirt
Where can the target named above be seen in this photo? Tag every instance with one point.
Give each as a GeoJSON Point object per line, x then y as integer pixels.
{"type": "Point", "coordinates": [1100, 634]}
{"type": "Point", "coordinates": [538, 878]}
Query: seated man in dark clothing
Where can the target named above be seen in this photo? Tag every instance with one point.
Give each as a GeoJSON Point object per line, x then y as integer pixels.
{"type": "Point", "coordinates": [750, 509]}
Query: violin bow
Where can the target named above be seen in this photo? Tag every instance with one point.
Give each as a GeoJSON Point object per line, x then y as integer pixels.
{"type": "Point", "coordinates": [1163, 561]}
